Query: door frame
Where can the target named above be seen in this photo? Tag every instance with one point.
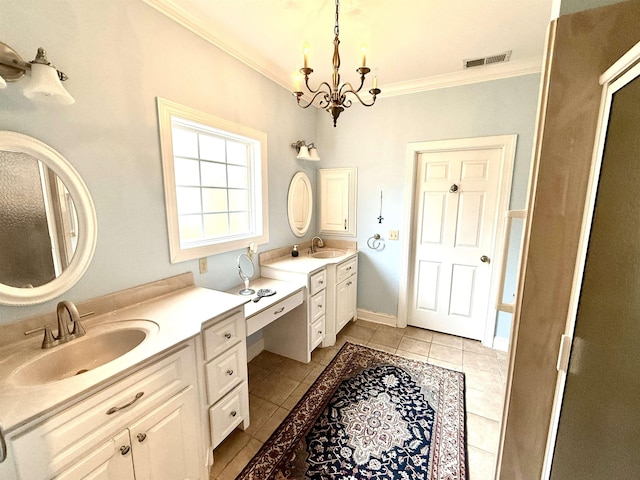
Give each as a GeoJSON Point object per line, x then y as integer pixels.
{"type": "Point", "coordinates": [506, 143]}
{"type": "Point", "coordinates": [613, 79]}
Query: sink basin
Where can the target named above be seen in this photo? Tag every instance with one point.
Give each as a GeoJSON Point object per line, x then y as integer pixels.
{"type": "Point", "coordinates": [328, 253]}
{"type": "Point", "coordinates": [99, 346]}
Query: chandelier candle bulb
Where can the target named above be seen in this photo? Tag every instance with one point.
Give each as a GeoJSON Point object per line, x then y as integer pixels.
{"type": "Point", "coordinates": [375, 82]}
{"type": "Point", "coordinates": [364, 56]}
{"type": "Point", "coordinates": [306, 57]}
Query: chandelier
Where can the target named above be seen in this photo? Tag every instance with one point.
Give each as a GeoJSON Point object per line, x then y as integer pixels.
{"type": "Point", "coordinates": [333, 97]}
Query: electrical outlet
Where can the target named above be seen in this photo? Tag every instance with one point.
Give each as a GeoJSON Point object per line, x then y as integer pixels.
{"type": "Point", "coordinates": [202, 263]}
{"type": "Point", "coordinates": [393, 234]}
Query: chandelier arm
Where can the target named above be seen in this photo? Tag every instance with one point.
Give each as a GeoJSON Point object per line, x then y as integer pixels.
{"type": "Point", "coordinates": [361, 100]}
{"type": "Point", "coordinates": [317, 90]}
{"type": "Point", "coordinates": [326, 99]}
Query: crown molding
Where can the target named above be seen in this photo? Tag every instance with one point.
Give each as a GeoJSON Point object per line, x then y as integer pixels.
{"type": "Point", "coordinates": [465, 77]}
{"type": "Point", "coordinates": [468, 76]}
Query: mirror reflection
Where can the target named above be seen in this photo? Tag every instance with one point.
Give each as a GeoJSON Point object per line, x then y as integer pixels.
{"type": "Point", "coordinates": [246, 270]}
{"type": "Point", "coordinates": [38, 222]}
{"type": "Point", "coordinates": [300, 204]}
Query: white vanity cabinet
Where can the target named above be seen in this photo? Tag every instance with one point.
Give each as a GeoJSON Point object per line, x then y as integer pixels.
{"type": "Point", "coordinates": [298, 339]}
{"type": "Point", "coordinates": [345, 293]}
{"type": "Point", "coordinates": [342, 287]}
{"type": "Point", "coordinates": [141, 427]}
{"type": "Point", "coordinates": [317, 308]}
{"type": "Point", "coordinates": [224, 375]}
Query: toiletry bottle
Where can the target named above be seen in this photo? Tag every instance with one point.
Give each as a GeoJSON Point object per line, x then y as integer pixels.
{"type": "Point", "coordinates": [294, 252]}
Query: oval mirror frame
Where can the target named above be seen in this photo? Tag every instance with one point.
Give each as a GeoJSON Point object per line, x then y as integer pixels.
{"type": "Point", "coordinates": [87, 223]}
{"type": "Point", "coordinates": [300, 180]}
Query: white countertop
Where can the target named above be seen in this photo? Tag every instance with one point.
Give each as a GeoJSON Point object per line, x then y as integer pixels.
{"type": "Point", "coordinates": [178, 315]}
{"type": "Point", "coordinates": [283, 290]}
{"type": "Point", "coordinates": [305, 263]}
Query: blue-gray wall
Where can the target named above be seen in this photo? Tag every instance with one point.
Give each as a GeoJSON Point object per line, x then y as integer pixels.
{"type": "Point", "coordinates": [375, 141]}
{"type": "Point", "coordinates": [122, 54]}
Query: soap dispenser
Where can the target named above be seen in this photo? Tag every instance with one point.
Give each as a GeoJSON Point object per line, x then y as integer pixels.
{"type": "Point", "coordinates": [294, 252]}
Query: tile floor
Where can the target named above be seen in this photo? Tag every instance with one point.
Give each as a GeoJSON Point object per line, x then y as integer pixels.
{"type": "Point", "coordinates": [277, 383]}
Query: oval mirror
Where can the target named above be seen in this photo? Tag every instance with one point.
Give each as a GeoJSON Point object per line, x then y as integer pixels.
{"type": "Point", "coordinates": [300, 204]}
{"type": "Point", "coordinates": [246, 269]}
{"type": "Point", "coordinates": [47, 222]}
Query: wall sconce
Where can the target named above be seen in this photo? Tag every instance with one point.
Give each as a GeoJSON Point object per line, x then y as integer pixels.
{"type": "Point", "coordinates": [45, 80]}
{"type": "Point", "coordinates": [306, 152]}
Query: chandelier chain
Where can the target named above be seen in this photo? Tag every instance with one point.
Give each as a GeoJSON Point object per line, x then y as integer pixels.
{"type": "Point", "coordinates": [336, 29]}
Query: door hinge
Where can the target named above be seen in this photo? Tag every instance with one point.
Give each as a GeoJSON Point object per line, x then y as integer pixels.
{"type": "Point", "coordinates": [564, 353]}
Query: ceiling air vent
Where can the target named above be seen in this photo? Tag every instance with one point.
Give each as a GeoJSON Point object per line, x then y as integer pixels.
{"type": "Point", "coordinates": [478, 62]}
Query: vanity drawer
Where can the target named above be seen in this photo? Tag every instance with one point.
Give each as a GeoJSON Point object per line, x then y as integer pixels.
{"type": "Point", "coordinates": [317, 282]}
{"type": "Point", "coordinates": [346, 269]}
{"type": "Point", "coordinates": [274, 312]}
{"type": "Point", "coordinates": [317, 306]}
{"type": "Point", "coordinates": [84, 426]}
{"type": "Point", "coordinates": [223, 334]}
{"type": "Point", "coordinates": [228, 413]}
{"type": "Point", "coordinates": [225, 372]}
{"type": "Point", "coordinates": [316, 333]}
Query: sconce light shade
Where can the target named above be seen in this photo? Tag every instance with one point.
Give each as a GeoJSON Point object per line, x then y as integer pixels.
{"type": "Point", "coordinates": [45, 86]}
{"type": "Point", "coordinates": [304, 153]}
{"type": "Point", "coordinates": [3, 84]}
{"type": "Point", "coordinates": [313, 153]}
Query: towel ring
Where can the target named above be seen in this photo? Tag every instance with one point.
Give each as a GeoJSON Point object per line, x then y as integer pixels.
{"type": "Point", "coordinates": [375, 243]}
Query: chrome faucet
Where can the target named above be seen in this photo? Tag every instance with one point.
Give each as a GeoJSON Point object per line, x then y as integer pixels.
{"type": "Point", "coordinates": [64, 309]}
{"type": "Point", "coordinates": [313, 243]}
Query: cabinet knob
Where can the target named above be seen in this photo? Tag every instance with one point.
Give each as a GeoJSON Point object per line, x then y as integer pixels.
{"type": "Point", "coordinates": [320, 305]}
{"type": "Point", "coordinates": [319, 332]}
{"type": "Point", "coordinates": [229, 372]}
{"type": "Point", "coordinates": [141, 437]}
{"type": "Point", "coordinates": [234, 413]}
{"type": "Point", "coordinates": [227, 336]}
{"type": "Point", "coordinates": [321, 282]}
{"type": "Point", "coordinates": [349, 283]}
{"type": "Point", "coordinates": [124, 449]}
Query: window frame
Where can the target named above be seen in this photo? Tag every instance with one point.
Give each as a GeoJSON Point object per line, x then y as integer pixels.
{"type": "Point", "coordinates": [167, 110]}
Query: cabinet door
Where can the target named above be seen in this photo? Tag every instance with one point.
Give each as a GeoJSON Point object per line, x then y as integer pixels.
{"type": "Point", "coordinates": [346, 301]}
{"type": "Point", "coordinates": [165, 442]}
{"type": "Point", "coordinates": [110, 461]}
{"type": "Point", "coordinates": [337, 187]}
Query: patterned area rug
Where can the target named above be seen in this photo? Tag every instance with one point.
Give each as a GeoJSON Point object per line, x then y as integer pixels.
{"type": "Point", "coordinates": [371, 415]}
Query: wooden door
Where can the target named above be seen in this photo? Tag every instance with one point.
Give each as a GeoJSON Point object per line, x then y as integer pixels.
{"type": "Point", "coordinates": [455, 218]}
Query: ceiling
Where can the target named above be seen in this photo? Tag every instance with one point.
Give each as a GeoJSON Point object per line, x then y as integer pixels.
{"type": "Point", "coordinates": [411, 45]}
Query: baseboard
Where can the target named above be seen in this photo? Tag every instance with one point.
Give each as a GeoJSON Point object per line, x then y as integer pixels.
{"type": "Point", "coordinates": [375, 317]}
{"type": "Point", "coordinates": [255, 349]}
{"type": "Point", "coordinates": [501, 343]}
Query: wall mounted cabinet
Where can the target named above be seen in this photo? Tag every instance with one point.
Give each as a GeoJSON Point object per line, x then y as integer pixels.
{"type": "Point", "coordinates": [337, 191]}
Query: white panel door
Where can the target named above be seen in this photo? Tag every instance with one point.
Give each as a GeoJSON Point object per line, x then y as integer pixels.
{"type": "Point", "coordinates": [456, 211]}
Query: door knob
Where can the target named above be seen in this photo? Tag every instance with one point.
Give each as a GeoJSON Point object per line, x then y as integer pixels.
{"type": "Point", "coordinates": [485, 259]}
{"type": "Point", "coordinates": [453, 188]}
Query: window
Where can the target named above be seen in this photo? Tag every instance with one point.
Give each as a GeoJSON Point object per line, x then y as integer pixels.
{"type": "Point", "coordinates": [215, 180]}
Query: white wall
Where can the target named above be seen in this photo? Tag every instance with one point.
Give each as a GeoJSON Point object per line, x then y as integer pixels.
{"type": "Point", "coordinates": [119, 55]}
{"type": "Point", "coordinates": [375, 141]}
